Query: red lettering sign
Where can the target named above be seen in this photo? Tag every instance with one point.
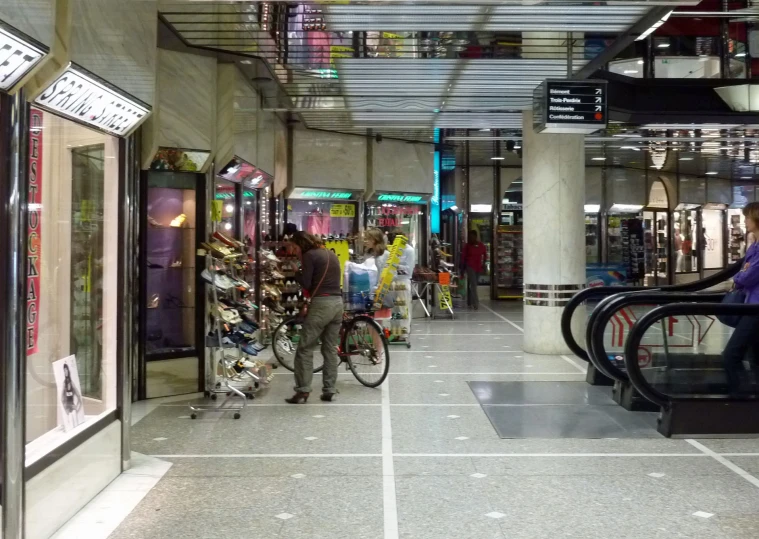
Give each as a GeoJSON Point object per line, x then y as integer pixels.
{"type": "Point", "coordinates": [34, 248]}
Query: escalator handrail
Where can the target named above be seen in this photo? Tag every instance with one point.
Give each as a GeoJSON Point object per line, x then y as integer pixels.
{"type": "Point", "coordinates": [583, 295]}
{"type": "Point", "coordinates": [604, 313]}
{"type": "Point", "coordinates": [578, 299]}
{"type": "Point", "coordinates": [638, 331]}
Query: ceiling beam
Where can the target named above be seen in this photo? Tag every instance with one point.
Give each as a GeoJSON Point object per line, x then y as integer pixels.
{"type": "Point", "coordinates": [622, 42]}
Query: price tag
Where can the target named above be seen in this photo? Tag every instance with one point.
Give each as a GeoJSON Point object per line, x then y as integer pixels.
{"type": "Point", "coordinates": [216, 210]}
{"type": "Point", "coordinates": [342, 210]}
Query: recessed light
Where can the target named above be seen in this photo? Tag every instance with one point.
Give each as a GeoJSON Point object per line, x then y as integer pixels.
{"type": "Point", "coordinates": [599, 159]}
{"type": "Point", "coordinates": [629, 71]}
{"type": "Point", "coordinates": [497, 158]}
{"type": "Point", "coordinates": [711, 173]}
{"type": "Point", "coordinates": [686, 159]}
{"type": "Point", "coordinates": [663, 45]}
{"type": "Point", "coordinates": [745, 177]}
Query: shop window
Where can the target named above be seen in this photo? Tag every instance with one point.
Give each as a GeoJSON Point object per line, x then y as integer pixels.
{"type": "Point", "coordinates": [686, 241]}
{"type": "Point", "coordinates": [323, 218]}
{"type": "Point", "coordinates": [714, 223]}
{"type": "Point", "coordinates": [72, 280]}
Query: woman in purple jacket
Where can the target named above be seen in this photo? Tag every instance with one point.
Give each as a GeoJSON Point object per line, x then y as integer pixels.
{"type": "Point", "coordinates": [746, 334]}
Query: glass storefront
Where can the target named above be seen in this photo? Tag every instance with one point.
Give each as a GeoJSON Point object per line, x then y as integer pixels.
{"type": "Point", "coordinates": [410, 218]}
{"type": "Point", "coordinates": [714, 235]}
{"type": "Point", "coordinates": [72, 280]}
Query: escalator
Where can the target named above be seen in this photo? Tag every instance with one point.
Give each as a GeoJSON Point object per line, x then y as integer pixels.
{"type": "Point", "coordinates": [610, 326]}
{"type": "Point", "coordinates": [576, 326]}
{"type": "Point", "coordinates": [689, 385]}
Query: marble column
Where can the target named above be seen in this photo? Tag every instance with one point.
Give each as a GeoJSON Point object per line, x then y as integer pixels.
{"type": "Point", "coordinates": [554, 233]}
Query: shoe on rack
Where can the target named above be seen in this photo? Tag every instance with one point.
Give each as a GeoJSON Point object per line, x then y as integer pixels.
{"type": "Point", "coordinates": [178, 221]}
{"type": "Point", "coordinates": [249, 349]}
{"type": "Point", "coordinates": [231, 242]}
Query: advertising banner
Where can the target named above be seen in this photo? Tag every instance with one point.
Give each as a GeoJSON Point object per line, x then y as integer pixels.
{"type": "Point", "coordinates": [34, 231]}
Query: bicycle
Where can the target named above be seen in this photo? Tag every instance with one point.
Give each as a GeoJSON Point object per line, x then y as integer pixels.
{"type": "Point", "coordinates": [363, 347]}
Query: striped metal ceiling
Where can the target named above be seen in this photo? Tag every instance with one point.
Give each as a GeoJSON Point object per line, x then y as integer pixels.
{"type": "Point", "coordinates": [407, 67]}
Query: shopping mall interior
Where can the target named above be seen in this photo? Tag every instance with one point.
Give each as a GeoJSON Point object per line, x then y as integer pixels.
{"type": "Point", "coordinates": [362, 269]}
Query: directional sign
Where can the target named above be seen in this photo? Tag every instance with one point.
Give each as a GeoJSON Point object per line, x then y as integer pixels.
{"type": "Point", "coordinates": [568, 106]}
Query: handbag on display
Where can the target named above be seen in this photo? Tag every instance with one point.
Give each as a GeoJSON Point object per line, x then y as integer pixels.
{"type": "Point", "coordinates": [734, 297]}
{"type": "Point", "coordinates": [304, 308]}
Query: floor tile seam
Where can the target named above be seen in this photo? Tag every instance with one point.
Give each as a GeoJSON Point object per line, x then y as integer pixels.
{"type": "Point", "coordinates": [505, 319]}
{"type": "Point", "coordinates": [389, 488]}
{"type": "Point", "coordinates": [725, 462]}
{"type": "Point", "coordinates": [425, 455]}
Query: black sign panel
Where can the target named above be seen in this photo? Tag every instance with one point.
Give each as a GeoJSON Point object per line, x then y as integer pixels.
{"type": "Point", "coordinates": [568, 106]}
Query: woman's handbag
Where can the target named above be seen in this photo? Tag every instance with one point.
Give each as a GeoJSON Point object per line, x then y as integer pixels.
{"type": "Point", "coordinates": [734, 297]}
{"type": "Point", "coordinates": [304, 308]}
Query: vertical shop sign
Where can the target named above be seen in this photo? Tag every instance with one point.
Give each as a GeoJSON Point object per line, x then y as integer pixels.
{"type": "Point", "coordinates": [435, 201]}
{"type": "Point", "coordinates": [34, 246]}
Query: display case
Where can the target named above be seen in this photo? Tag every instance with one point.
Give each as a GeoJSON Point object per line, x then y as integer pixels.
{"type": "Point", "coordinates": [736, 229]}
{"type": "Point", "coordinates": [170, 244]}
{"type": "Point", "coordinates": [483, 224]}
{"type": "Point", "coordinates": [592, 238]}
{"type": "Point", "coordinates": [509, 262]}
{"type": "Point", "coordinates": [625, 245]}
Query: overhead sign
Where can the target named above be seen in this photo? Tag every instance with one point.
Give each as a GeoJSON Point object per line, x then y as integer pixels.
{"type": "Point", "coordinates": [569, 106]}
{"type": "Point", "coordinates": [17, 58]}
{"type": "Point", "coordinates": [322, 194]}
{"type": "Point", "coordinates": [401, 197]}
{"type": "Point", "coordinates": [83, 99]}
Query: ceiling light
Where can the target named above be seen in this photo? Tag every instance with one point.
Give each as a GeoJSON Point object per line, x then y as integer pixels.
{"type": "Point", "coordinates": [711, 173]}
{"type": "Point", "coordinates": [745, 177]}
{"type": "Point", "coordinates": [686, 159]}
{"type": "Point", "coordinates": [599, 159]}
{"type": "Point", "coordinates": [497, 158]}
{"type": "Point", "coordinates": [740, 55]}
{"type": "Point", "coordinates": [663, 45]}
{"type": "Point", "coordinates": [592, 208]}
{"type": "Point", "coordinates": [629, 71]}
{"type": "Point", "coordinates": [640, 62]}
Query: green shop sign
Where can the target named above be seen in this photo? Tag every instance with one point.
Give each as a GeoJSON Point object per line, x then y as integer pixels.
{"type": "Point", "coordinates": [399, 198]}
{"type": "Point", "coordinates": [327, 194]}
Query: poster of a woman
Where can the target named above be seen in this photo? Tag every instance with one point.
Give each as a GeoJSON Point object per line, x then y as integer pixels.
{"type": "Point", "coordinates": [70, 404]}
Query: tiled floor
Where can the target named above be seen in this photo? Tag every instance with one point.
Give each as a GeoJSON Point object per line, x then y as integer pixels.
{"type": "Point", "coordinates": [419, 459]}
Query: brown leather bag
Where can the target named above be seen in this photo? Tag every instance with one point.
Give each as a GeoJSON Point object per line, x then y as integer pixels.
{"type": "Point", "coordinates": [304, 308]}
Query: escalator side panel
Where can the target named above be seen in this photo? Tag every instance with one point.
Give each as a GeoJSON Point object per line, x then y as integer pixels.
{"type": "Point", "coordinates": [710, 418]}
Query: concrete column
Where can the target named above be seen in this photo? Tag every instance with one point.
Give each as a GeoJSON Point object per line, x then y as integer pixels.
{"type": "Point", "coordinates": [554, 233]}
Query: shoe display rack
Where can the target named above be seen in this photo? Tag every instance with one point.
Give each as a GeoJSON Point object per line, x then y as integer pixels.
{"type": "Point", "coordinates": [234, 338]}
{"type": "Point", "coordinates": [281, 293]}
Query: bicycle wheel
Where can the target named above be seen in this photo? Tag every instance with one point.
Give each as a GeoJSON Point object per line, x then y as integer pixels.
{"type": "Point", "coordinates": [366, 350]}
{"type": "Point", "coordinates": [285, 343]}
